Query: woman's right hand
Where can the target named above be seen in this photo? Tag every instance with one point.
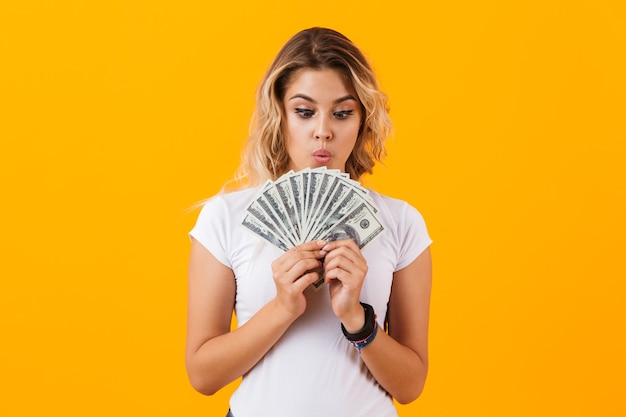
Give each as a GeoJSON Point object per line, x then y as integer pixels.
{"type": "Point", "coordinates": [293, 272]}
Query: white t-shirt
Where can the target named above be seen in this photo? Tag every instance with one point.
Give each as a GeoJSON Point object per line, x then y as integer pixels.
{"type": "Point", "coordinates": [312, 370]}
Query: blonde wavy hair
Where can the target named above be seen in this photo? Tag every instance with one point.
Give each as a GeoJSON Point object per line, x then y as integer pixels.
{"type": "Point", "coordinates": [264, 155]}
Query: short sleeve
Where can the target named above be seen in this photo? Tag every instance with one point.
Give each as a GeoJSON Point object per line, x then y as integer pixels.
{"type": "Point", "coordinates": [414, 238]}
{"type": "Point", "coordinates": [212, 229]}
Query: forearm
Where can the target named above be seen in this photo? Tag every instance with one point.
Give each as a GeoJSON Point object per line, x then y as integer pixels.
{"type": "Point", "coordinates": [399, 360]}
{"type": "Point", "coordinates": [397, 368]}
{"type": "Point", "coordinates": [398, 363]}
{"type": "Point", "coordinates": [223, 359]}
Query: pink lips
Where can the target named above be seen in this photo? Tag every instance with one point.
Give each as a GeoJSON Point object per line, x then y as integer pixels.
{"type": "Point", "coordinates": [322, 156]}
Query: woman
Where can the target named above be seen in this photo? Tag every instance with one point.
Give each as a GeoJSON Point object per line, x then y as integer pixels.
{"type": "Point", "coordinates": [318, 105]}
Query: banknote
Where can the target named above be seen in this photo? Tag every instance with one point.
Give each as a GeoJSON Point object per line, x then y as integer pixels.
{"type": "Point", "coordinates": [313, 204]}
{"type": "Point", "coordinates": [256, 226]}
{"type": "Point", "coordinates": [359, 224]}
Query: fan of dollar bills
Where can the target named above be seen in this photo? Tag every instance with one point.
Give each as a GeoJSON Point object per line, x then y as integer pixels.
{"type": "Point", "coordinates": [312, 204]}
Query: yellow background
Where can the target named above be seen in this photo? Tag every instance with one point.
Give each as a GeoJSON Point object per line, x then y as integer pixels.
{"type": "Point", "coordinates": [117, 116]}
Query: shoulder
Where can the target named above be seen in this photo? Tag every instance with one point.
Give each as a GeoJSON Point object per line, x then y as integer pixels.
{"type": "Point", "coordinates": [217, 227]}
{"type": "Point", "coordinates": [224, 209]}
{"type": "Point", "coordinates": [405, 224]}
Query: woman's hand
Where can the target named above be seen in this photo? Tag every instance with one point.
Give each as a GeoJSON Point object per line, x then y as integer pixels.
{"type": "Point", "coordinates": [293, 272]}
{"type": "Point", "coordinates": [344, 272]}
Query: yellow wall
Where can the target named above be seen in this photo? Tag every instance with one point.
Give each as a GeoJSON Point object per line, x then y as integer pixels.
{"type": "Point", "coordinates": [116, 116]}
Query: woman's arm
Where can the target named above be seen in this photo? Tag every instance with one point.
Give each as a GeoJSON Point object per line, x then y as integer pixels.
{"type": "Point", "coordinates": [399, 360]}
{"type": "Point", "coordinates": [215, 356]}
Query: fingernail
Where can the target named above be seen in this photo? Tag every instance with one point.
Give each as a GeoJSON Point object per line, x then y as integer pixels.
{"type": "Point", "coordinates": [321, 242]}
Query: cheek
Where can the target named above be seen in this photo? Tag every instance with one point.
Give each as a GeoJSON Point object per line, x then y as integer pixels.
{"type": "Point", "coordinates": [294, 128]}
{"type": "Point", "coordinates": [352, 130]}
{"type": "Point", "coordinates": [289, 132]}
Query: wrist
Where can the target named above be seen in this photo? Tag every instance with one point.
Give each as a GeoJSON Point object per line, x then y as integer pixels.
{"type": "Point", "coordinates": [362, 327]}
{"type": "Point", "coordinates": [367, 333]}
{"type": "Point", "coordinates": [284, 312]}
{"type": "Point", "coordinates": [354, 320]}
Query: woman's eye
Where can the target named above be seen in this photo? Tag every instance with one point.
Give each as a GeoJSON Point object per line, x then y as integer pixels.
{"type": "Point", "coordinates": [304, 113]}
{"type": "Point", "coordinates": [343, 114]}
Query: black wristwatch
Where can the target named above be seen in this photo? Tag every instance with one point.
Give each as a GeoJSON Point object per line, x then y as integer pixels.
{"type": "Point", "coordinates": [368, 327]}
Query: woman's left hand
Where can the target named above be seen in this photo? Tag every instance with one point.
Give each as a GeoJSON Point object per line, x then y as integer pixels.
{"type": "Point", "coordinates": [344, 272]}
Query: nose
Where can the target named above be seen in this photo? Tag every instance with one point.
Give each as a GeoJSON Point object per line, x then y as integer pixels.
{"type": "Point", "coordinates": [322, 130]}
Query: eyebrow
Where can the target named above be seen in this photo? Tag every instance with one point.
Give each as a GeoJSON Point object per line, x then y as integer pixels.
{"type": "Point", "coordinates": [339, 100]}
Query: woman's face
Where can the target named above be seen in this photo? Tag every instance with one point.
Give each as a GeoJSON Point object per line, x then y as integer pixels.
{"type": "Point", "coordinates": [322, 119]}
